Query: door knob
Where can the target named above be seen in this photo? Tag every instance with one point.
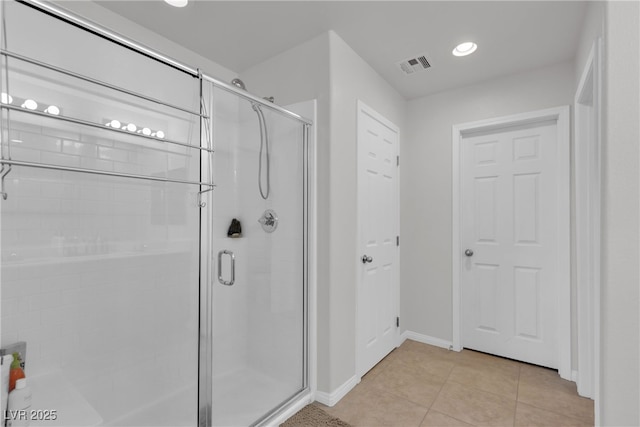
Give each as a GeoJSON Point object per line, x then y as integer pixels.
{"type": "Point", "coordinates": [468, 252]}
{"type": "Point", "coordinates": [366, 259]}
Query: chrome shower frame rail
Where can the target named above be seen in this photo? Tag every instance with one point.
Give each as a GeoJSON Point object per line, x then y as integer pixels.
{"type": "Point", "coordinates": [103, 32]}
{"type": "Point", "coordinates": [102, 127]}
{"type": "Point", "coordinates": [100, 172]}
{"type": "Point", "coordinates": [151, 53]}
{"type": "Point", "coordinates": [32, 61]}
{"type": "Point", "coordinates": [256, 99]}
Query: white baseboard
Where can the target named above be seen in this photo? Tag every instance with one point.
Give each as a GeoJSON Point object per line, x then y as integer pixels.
{"type": "Point", "coordinates": [334, 397]}
{"type": "Point", "coordinates": [425, 339]}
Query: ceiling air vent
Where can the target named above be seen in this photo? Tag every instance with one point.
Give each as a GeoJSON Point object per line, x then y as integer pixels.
{"type": "Point", "coordinates": [414, 65]}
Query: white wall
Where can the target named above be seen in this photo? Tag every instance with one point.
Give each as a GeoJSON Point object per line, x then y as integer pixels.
{"type": "Point", "coordinates": [620, 373]}
{"type": "Point", "coordinates": [592, 28]}
{"type": "Point", "coordinates": [425, 206]}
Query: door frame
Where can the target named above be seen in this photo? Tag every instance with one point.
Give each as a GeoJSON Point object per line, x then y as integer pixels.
{"type": "Point", "coordinates": [561, 115]}
{"type": "Point", "coordinates": [363, 108]}
{"type": "Point", "coordinates": [587, 161]}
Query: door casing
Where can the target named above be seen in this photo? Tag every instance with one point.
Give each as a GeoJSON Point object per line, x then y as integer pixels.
{"type": "Point", "coordinates": [561, 116]}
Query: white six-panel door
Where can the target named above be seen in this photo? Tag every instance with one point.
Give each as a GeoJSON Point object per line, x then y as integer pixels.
{"type": "Point", "coordinates": [377, 293]}
{"type": "Point", "coordinates": [509, 227]}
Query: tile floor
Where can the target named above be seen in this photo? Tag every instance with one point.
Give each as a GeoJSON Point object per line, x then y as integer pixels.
{"type": "Point", "coordinates": [421, 385]}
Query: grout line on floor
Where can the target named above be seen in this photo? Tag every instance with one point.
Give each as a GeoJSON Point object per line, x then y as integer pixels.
{"type": "Point", "coordinates": [533, 405]}
{"type": "Point", "coordinates": [515, 410]}
{"type": "Point", "coordinates": [425, 415]}
{"type": "Point", "coordinates": [440, 391]}
{"type": "Point", "coordinates": [450, 416]}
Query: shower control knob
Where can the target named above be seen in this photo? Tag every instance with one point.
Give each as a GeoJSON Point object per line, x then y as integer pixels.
{"type": "Point", "coordinates": [366, 259]}
{"type": "Point", "coordinates": [468, 252]}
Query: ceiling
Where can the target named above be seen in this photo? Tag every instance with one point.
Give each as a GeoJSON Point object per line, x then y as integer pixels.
{"type": "Point", "coordinates": [512, 36]}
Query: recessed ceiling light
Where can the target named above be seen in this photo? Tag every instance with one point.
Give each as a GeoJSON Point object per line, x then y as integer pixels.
{"type": "Point", "coordinates": [464, 49]}
{"type": "Point", "coordinates": [177, 3]}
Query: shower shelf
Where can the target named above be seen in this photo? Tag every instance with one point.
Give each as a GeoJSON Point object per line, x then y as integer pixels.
{"type": "Point", "coordinates": [99, 172]}
{"type": "Point", "coordinates": [100, 126]}
{"type": "Point", "coordinates": [19, 57]}
{"type": "Point", "coordinates": [6, 159]}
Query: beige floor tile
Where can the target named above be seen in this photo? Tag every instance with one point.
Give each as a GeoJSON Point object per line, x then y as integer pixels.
{"type": "Point", "coordinates": [476, 358]}
{"type": "Point", "coordinates": [409, 382]}
{"type": "Point", "coordinates": [550, 377]}
{"type": "Point", "coordinates": [544, 389]}
{"type": "Point", "coordinates": [375, 371]}
{"type": "Point", "coordinates": [436, 419]}
{"type": "Point", "coordinates": [383, 409]}
{"type": "Point", "coordinates": [475, 406]}
{"type": "Point", "coordinates": [427, 349]}
{"type": "Point", "coordinates": [350, 404]}
{"type": "Point", "coordinates": [527, 415]}
{"type": "Point", "coordinates": [499, 381]}
{"type": "Point", "coordinates": [436, 364]}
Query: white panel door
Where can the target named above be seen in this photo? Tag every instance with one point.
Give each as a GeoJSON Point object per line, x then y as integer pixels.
{"type": "Point", "coordinates": [508, 232]}
{"type": "Point", "coordinates": [377, 296]}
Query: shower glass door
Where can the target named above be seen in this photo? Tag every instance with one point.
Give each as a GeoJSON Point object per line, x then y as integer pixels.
{"type": "Point", "coordinates": [98, 256]}
{"type": "Point", "coordinates": [258, 285]}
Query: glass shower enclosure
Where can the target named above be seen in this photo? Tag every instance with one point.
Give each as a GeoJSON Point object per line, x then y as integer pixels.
{"type": "Point", "coordinates": [259, 301]}
{"type": "Point", "coordinates": [153, 239]}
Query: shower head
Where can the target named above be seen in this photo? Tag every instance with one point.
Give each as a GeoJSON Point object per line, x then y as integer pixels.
{"type": "Point", "coordinates": [238, 83]}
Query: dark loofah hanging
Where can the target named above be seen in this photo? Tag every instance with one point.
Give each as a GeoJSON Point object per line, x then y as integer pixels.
{"type": "Point", "coordinates": [235, 229]}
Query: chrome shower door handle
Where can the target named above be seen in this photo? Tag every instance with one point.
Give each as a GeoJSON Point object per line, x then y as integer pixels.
{"type": "Point", "coordinates": [232, 279]}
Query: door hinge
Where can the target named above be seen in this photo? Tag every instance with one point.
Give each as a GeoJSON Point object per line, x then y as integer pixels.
{"type": "Point", "coordinates": [397, 160]}
{"type": "Point", "coordinates": [397, 240]}
{"type": "Point", "coordinates": [398, 321]}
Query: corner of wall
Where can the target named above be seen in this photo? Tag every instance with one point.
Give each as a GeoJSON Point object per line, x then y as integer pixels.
{"type": "Point", "coordinates": [592, 29]}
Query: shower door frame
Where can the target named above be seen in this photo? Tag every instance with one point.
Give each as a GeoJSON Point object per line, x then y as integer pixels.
{"type": "Point", "coordinates": [205, 418]}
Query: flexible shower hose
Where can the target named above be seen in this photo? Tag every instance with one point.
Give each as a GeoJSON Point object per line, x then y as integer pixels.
{"type": "Point", "coordinates": [264, 144]}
